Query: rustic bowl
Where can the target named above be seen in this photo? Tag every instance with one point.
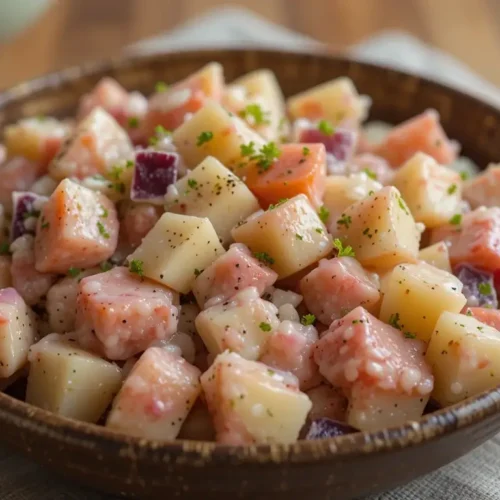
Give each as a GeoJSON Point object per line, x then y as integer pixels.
{"type": "Point", "coordinates": [339, 468]}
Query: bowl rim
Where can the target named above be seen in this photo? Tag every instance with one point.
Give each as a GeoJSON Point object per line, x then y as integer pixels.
{"type": "Point", "coordinates": [62, 430]}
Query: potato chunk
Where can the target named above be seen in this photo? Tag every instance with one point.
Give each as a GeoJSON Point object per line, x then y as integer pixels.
{"type": "Point", "coordinates": [484, 189]}
{"type": "Point", "coordinates": [336, 100]}
{"type": "Point", "coordinates": [416, 295]}
{"type": "Point", "coordinates": [156, 397]}
{"type": "Point", "coordinates": [213, 191]}
{"type": "Point", "coordinates": [77, 228]}
{"type": "Point", "coordinates": [17, 332]}
{"type": "Point", "coordinates": [380, 229]}
{"type": "Point", "coordinates": [119, 314]}
{"type": "Point", "coordinates": [177, 249]}
{"type": "Point", "coordinates": [437, 255]}
{"type": "Point", "coordinates": [69, 381]}
{"type": "Point", "coordinates": [464, 355]}
{"type": "Point", "coordinates": [252, 404]}
{"type": "Point", "coordinates": [228, 133]}
{"type": "Point", "coordinates": [431, 191]}
{"type": "Point", "coordinates": [242, 325]}
{"type": "Point", "coordinates": [288, 237]}
{"type": "Point", "coordinates": [338, 286]}
{"type": "Point", "coordinates": [232, 272]}
{"type": "Point", "coordinates": [96, 146]}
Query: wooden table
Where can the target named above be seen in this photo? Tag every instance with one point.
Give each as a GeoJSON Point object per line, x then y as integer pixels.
{"type": "Point", "coordinates": [81, 30]}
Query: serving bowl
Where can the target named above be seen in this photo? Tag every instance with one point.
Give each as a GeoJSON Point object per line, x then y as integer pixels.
{"type": "Point", "coordinates": [340, 468]}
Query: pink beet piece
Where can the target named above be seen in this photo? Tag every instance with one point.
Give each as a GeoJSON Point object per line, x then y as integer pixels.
{"type": "Point", "coordinates": [337, 286]}
{"type": "Point", "coordinates": [341, 144]}
{"type": "Point", "coordinates": [26, 206]}
{"type": "Point", "coordinates": [232, 272]}
{"type": "Point", "coordinates": [360, 349]}
{"type": "Point", "coordinates": [10, 296]}
{"type": "Point", "coordinates": [119, 314]}
{"type": "Point", "coordinates": [154, 172]}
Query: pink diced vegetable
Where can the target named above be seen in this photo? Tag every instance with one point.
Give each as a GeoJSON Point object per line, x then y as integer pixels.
{"type": "Point", "coordinates": [26, 209]}
{"type": "Point", "coordinates": [374, 166]}
{"type": "Point", "coordinates": [485, 315]}
{"type": "Point", "coordinates": [478, 286]}
{"type": "Point", "coordinates": [120, 314]}
{"type": "Point", "coordinates": [341, 143]}
{"type": "Point", "coordinates": [484, 189]}
{"type": "Point", "coordinates": [17, 174]}
{"type": "Point", "coordinates": [154, 172]}
{"type": "Point", "coordinates": [137, 221]}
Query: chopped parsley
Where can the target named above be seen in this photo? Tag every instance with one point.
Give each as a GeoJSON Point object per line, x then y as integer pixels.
{"type": "Point", "coordinates": [323, 213]}
{"type": "Point", "coordinates": [280, 202]}
{"type": "Point", "coordinates": [133, 122]}
{"type": "Point", "coordinates": [31, 213]}
{"type": "Point", "coordinates": [136, 266]}
{"type": "Point", "coordinates": [265, 327]}
{"type": "Point", "coordinates": [74, 272]}
{"type": "Point", "coordinates": [248, 149]}
{"type": "Point", "coordinates": [264, 257]}
{"type": "Point", "coordinates": [104, 212]}
{"type": "Point", "coordinates": [161, 86]}
{"type": "Point", "coordinates": [116, 172]}
{"type": "Point", "coordinates": [402, 206]}
{"type": "Point", "coordinates": [271, 372]}
{"type": "Point", "coordinates": [105, 265]}
{"type": "Point", "coordinates": [325, 127]}
{"type": "Point", "coordinates": [129, 164]}
{"type": "Point", "coordinates": [119, 187]}
{"type": "Point", "coordinates": [319, 230]}
{"type": "Point", "coordinates": [484, 288]}
{"type": "Point", "coordinates": [153, 141]}
{"type": "Point", "coordinates": [464, 175]}
{"type": "Point", "coordinates": [452, 189]}
{"type": "Point", "coordinates": [258, 115]}
{"type": "Point", "coordinates": [197, 272]}
{"type": "Point", "coordinates": [370, 173]}
{"type": "Point", "coordinates": [456, 219]}
{"type": "Point", "coordinates": [345, 220]}
{"type": "Point", "coordinates": [409, 335]}
{"type": "Point", "coordinates": [4, 249]}
{"type": "Point", "coordinates": [305, 151]}
{"type": "Point", "coordinates": [394, 321]}
{"type": "Point", "coordinates": [192, 183]}
{"type": "Point", "coordinates": [204, 137]}
{"type": "Point", "coordinates": [45, 223]}
{"type": "Point", "coordinates": [161, 131]}
{"type": "Point", "coordinates": [343, 252]}
{"type": "Point", "coordinates": [299, 236]}
{"type": "Point", "coordinates": [102, 230]}
{"type": "Point", "coordinates": [266, 156]}
{"type": "Point", "coordinates": [308, 319]}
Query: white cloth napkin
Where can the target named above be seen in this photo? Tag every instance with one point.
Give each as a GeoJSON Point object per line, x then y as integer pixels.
{"type": "Point", "coordinates": [473, 477]}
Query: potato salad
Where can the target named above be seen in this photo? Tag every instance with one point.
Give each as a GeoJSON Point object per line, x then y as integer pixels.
{"type": "Point", "coordinates": [216, 262]}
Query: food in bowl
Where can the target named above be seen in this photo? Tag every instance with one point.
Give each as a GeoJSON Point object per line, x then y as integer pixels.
{"type": "Point", "coordinates": [215, 262]}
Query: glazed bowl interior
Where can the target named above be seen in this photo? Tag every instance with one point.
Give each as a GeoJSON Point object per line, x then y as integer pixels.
{"type": "Point", "coordinates": [396, 97]}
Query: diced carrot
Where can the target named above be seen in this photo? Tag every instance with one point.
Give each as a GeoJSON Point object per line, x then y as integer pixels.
{"type": "Point", "coordinates": [300, 169]}
{"type": "Point", "coordinates": [421, 133]}
{"type": "Point", "coordinates": [490, 317]}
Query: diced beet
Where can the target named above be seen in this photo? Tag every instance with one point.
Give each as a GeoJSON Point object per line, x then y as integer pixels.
{"type": "Point", "coordinates": [478, 286]}
{"type": "Point", "coordinates": [323, 428]}
{"type": "Point", "coordinates": [154, 172]}
{"type": "Point", "coordinates": [340, 144]}
{"type": "Point", "coordinates": [26, 209]}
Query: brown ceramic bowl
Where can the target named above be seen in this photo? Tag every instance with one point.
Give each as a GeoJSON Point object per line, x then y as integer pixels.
{"type": "Point", "coordinates": [340, 468]}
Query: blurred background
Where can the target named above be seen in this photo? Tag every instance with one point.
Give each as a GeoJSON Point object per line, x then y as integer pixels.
{"type": "Point", "coordinates": [35, 40]}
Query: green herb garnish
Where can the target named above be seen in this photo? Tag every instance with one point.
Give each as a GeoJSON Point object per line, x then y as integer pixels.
{"type": "Point", "coordinates": [255, 111]}
{"type": "Point", "coordinates": [370, 173]}
{"type": "Point", "coordinates": [133, 122]}
{"type": "Point", "coordinates": [308, 319]}
{"type": "Point", "coordinates": [345, 220]}
{"type": "Point", "coordinates": [323, 214]}
{"type": "Point", "coordinates": [265, 327]}
{"type": "Point", "coordinates": [325, 127]}
{"type": "Point", "coordinates": [264, 257]}
{"type": "Point", "coordinates": [161, 86]}
{"type": "Point", "coordinates": [74, 272]}
{"type": "Point", "coordinates": [452, 189]}
{"type": "Point", "coordinates": [136, 266]}
{"type": "Point", "coordinates": [456, 219]}
{"type": "Point", "coordinates": [484, 288]}
{"type": "Point", "coordinates": [102, 230]}
{"type": "Point", "coordinates": [204, 137]}
{"type": "Point", "coordinates": [343, 252]}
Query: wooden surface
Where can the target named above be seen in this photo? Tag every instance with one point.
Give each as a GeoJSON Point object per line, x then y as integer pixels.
{"type": "Point", "coordinates": [80, 30]}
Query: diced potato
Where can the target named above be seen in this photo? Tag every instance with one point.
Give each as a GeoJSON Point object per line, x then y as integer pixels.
{"type": "Point", "coordinates": [69, 381]}
{"type": "Point", "coordinates": [252, 404]}
{"type": "Point", "coordinates": [338, 286]}
{"type": "Point", "coordinates": [380, 229]}
{"type": "Point", "coordinates": [465, 357]}
{"type": "Point", "coordinates": [288, 237]}
{"type": "Point", "coordinates": [484, 189]}
{"type": "Point", "coordinates": [97, 145]}
{"type": "Point", "coordinates": [156, 397]}
{"type": "Point", "coordinates": [232, 272]}
{"type": "Point", "coordinates": [342, 191]}
{"type": "Point", "coordinates": [242, 325]}
{"type": "Point", "coordinates": [138, 219]}
{"type": "Point", "coordinates": [416, 295]}
{"type": "Point", "coordinates": [17, 332]}
{"type": "Point", "coordinates": [436, 255]}
{"type": "Point", "coordinates": [336, 101]}
{"type": "Point", "coordinates": [175, 241]}
{"type": "Point", "coordinates": [213, 191]}
{"type": "Point", "coordinates": [77, 228]}
{"type": "Point", "coordinates": [5, 276]}
{"type": "Point", "coordinates": [431, 191]}
{"type": "Point", "coordinates": [228, 134]}
{"type": "Point", "coordinates": [259, 88]}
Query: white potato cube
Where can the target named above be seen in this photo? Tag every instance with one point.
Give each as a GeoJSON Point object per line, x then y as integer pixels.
{"type": "Point", "coordinates": [380, 229]}
{"type": "Point", "coordinates": [213, 191]}
{"type": "Point", "coordinates": [416, 295]}
{"type": "Point", "coordinates": [228, 133]}
{"type": "Point", "coordinates": [431, 191]}
{"type": "Point", "coordinates": [287, 238]}
{"type": "Point", "coordinates": [156, 397]}
{"type": "Point", "coordinates": [176, 249]}
{"type": "Point", "coordinates": [242, 325]}
{"type": "Point", "coordinates": [465, 358]}
{"type": "Point", "coordinates": [69, 381]}
{"type": "Point", "coordinates": [437, 255]}
{"type": "Point", "coordinates": [17, 332]}
{"type": "Point", "coordinates": [336, 101]}
{"type": "Point", "coordinates": [252, 404]}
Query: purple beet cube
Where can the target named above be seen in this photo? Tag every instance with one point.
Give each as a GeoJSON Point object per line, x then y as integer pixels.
{"type": "Point", "coordinates": [478, 287]}
{"type": "Point", "coordinates": [323, 428]}
{"type": "Point", "coordinates": [341, 144]}
{"type": "Point", "coordinates": [154, 172]}
{"type": "Point", "coordinates": [26, 209]}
